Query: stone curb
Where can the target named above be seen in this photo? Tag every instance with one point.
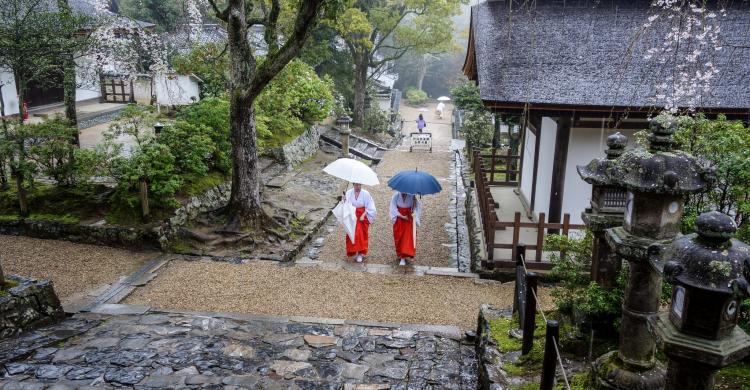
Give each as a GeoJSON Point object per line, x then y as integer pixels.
{"type": "Point", "coordinates": [449, 331]}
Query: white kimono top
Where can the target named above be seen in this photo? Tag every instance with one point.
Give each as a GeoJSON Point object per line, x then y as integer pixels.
{"type": "Point", "coordinates": [363, 200]}
{"type": "Point", "coordinates": [398, 201]}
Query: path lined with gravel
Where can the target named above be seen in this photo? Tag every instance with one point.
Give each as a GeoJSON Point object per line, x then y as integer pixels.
{"type": "Point", "coordinates": [433, 243]}
{"type": "Point", "coordinates": [269, 288]}
{"type": "Point", "coordinates": [75, 269]}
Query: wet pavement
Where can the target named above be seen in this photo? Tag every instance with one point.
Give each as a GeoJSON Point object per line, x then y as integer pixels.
{"type": "Point", "coordinates": [190, 350]}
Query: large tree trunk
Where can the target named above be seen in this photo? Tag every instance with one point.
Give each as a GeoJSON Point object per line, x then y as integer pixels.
{"type": "Point", "coordinates": [3, 157]}
{"type": "Point", "coordinates": [15, 166]}
{"type": "Point", "coordinates": [69, 77]}
{"type": "Point", "coordinates": [361, 65]}
{"type": "Point", "coordinates": [421, 71]}
{"type": "Point", "coordinates": [244, 202]}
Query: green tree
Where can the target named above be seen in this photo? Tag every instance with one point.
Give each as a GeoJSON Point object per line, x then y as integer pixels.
{"type": "Point", "coordinates": [293, 101]}
{"type": "Point", "coordinates": [726, 144]}
{"type": "Point", "coordinates": [167, 15]}
{"type": "Point", "coordinates": [466, 97]}
{"type": "Point", "coordinates": [249, 76]}
{"type": "Point", "coordinates": [213, 113]}
{"type": "Point", "coordinates": [209, 63]}
{"type": "Point", "coordinates": [377, 32]}
{"type": "Point", "coordinates": [477, 129]}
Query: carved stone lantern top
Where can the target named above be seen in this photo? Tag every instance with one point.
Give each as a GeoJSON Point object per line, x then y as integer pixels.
{"type": "Point", "coordinates": [597, 171]}
{"type": "Point", "coordinates": [343, 124]}
{"type": "Point", "coordinates": [658, 169]}
{"type": "Point", "coordinates": [710, 259]}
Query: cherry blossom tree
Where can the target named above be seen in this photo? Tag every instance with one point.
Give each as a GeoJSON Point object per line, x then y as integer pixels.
{"type": "Point", "coordinates": [688, 38]}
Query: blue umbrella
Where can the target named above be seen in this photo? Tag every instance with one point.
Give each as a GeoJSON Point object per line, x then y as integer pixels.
{"type": "Point", "coordinates": [415, 182]}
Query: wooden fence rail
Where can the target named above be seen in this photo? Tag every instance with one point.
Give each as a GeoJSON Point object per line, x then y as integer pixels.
{"type": "Point", "coordinates": [491, 224]}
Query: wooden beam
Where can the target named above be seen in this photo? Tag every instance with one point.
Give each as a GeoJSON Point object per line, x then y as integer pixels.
{"type": "Point", "coordinates": [559, 165]}
{"type": "Point", "coordinates": [536, 122]}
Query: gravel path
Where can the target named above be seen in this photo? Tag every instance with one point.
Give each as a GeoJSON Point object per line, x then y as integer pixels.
{"type": "Point", "coordinates": [268, 288]}
{"type": "Point", "coordinates": [75, 269]}
{"type": "Point", "coordinates": [433, 242]}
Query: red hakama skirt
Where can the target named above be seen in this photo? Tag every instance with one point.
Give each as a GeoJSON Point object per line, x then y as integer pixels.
{"type": "Point", "coordinates": [403, 235]}
{"type": "Point", "coordinates": [360, 235]}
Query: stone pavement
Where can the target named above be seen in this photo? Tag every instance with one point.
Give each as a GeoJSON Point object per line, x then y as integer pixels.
{"type": "Point", "coordinates": [193, 350]}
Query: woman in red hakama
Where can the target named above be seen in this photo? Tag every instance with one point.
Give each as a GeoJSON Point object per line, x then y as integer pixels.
{"type": "Point", "coordinates": [365, 211]}
{"type": "Point", "coordinates": [405, 211]}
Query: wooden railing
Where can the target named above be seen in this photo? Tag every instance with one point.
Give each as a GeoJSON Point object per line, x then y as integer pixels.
{"type": "Point", "coordinates": [507, 175]}
{"type": "Point", "coordinates": [491, 224]}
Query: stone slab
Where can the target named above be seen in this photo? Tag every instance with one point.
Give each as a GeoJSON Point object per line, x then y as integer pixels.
{"type": "Point", "coordinates": [115, 309]}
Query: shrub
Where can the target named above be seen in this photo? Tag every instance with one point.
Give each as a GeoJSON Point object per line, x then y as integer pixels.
{"type": "Point", "coordinates": [478, 129]}
{"type": "Point", "coordinates": [213, 113]}
{"type": "Point", "coordinates": [576, 294]}
{"type": "Point", "coordinates": [191, 146]}
{"type": "Point", "coordinates": [466, 97]}
{"type": "Point", "coordinates": [295, 99]}
{"type": "Point", "coordinates": [49, 145]}
{"type": "Point", "coordinates": [416, 96]}
{"type": "Point", "coordinates": [376, 120]}
{"type": "Point", "coordinates": [156, 164]}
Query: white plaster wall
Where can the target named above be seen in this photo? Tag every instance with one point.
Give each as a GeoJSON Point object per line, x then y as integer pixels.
{"type": "Point", "coordinates": [544, 173]}
{"type": "Point", "coordinates": [527, 169]}
{"type": "Point", "coordinates": [10, 98]}
{"type": "Point", "coordinates": [176, 90]}
{"type": "Point", "coordinates": [142, 90]}
{"type": "Point", "coordinates": [585, 145]}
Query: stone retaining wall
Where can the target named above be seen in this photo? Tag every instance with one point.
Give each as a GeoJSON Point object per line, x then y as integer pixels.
{"type": "Point", "coordinates": [114, 236]}
{"type": "Point", "coordinates": [29, 305]}
{"type": "Point", "coordinates": [207, 201]}
{"type": "Point", "coordinates": [490, 373]}
{"type": "Point", "coordinates": [299, 149]}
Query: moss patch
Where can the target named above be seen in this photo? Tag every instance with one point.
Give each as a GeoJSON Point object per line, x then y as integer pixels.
{"type": "Point", "coordinates": [197, 185]}
{"type": "Point", "coordinates": [9, 283]}
{"type": "Point", "coordinates": [736, 376]}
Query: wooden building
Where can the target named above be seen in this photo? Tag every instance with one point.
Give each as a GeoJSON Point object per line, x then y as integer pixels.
{"type": "Point", "coordinates": [578, 71]}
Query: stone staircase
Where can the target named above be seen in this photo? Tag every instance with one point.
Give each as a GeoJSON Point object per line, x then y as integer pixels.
{"type": "Point", "coordinates": [358, 146]}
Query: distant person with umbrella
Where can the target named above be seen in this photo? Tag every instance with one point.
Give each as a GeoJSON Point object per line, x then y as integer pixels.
{"type": "Point", "coordinates": [365, 212]}
{"type": "Point", "coordinates": [421, 124]}
{"type": "Point", "coordinates": [405, 211]}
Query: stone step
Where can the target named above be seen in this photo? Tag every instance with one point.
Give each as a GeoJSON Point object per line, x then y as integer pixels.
{"type": "Point", "coordinates": [358, 146]}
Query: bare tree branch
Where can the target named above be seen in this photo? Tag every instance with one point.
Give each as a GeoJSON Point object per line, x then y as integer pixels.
{"type": "Point", "coordinates": [222, 15]}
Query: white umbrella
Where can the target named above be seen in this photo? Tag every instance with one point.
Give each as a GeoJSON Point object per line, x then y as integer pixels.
{"type": "Point", "coordinates": [443, 98]}
{"type": "Point", "coordinates": [353, 171]}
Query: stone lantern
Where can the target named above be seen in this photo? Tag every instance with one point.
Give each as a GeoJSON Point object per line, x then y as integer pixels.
{"type": "Point", "coordinates": [699, 333]}
{"type": "Point", "coordinates": [606, 211]}
{"type": "Point", "coordinates": [343, 126]}
{"type": "Point", "coordinates": [656, 180]}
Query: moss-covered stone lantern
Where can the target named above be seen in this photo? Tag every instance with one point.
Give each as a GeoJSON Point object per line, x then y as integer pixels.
{"type": "Point", "coordinates": [699, 333]}
{"type": "Point", "coordinates": [656, 180]}
{"type": "Point", "coordinates": [606, 211]}
{"type": "Point", "coordinates": [344, 131]}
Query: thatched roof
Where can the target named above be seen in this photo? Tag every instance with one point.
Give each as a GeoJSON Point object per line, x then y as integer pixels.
{"type": "Point", "coordinates": [569, 54]}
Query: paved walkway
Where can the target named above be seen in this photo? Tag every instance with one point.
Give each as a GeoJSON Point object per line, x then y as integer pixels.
{"type": "Point", "coordinates": [434, 245]}
{"type": "Point", "coordinates": [190, 351]}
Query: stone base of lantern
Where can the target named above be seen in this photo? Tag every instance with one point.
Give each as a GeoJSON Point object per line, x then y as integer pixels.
{"type": "Point", "coordinates": [716, 353]}
{"type": "Point", "coordinates": [611, 373]}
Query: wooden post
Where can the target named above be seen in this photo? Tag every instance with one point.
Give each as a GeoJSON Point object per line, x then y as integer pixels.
{"type": "Point", "coordinates": [508, 167]}
{"type": "Point", "coordinates": [516, 232]}
{"type": "Point", "coordinates": [520, 273]}
{"type": "Point", "coordinates": [565, 229]}
{"type": "Point", "coordinates": [492, 166]}
{"type": "Point", "coordinates": [143, 186]}
{"type": "Point", "coordinates": [549, 362]}
{"type": "Point", "coordinates": [491, 237]}
{"type": "Point", "coordinates": [529, 315]}
{"type": "Point", "coordinates": [540, 237]}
